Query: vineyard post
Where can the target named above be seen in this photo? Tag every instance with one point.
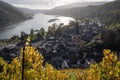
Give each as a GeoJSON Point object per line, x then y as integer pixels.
{"type": "Point", "coordinates": [23, 58]}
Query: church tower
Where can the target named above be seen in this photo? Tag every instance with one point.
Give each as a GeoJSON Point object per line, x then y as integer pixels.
{"type": "Point", "coordinates": [76, 29]}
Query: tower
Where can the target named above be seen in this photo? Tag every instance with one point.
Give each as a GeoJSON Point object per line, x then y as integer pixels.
{"type": "Point", "coordinates": [76, 30]}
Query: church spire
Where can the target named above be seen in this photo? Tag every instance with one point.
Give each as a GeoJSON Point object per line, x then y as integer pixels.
{"type": "Point", "coordinates": [76, 30]}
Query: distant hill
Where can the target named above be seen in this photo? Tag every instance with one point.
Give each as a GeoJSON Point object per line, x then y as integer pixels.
{"type": "Point", "coordinates": [109, 12]}
{"type": "Point", "coordinates": [81, 4]}
{"type": "Point", "coordinates": [29, 11]}
{"type": "Point", "coordinates": [10, 14]}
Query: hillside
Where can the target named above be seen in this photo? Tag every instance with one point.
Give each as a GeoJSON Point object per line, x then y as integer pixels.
{"type": "Point", "coordinates": [81, 4]}
{"type": "Point", "coordinates": [29, 11]}
{"type": "Point", "coordinates": [10, 14]}
{"type": "Point", "coordinates": [108, 13]}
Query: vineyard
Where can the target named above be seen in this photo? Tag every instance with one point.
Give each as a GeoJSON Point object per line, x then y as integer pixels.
{"type": "Point", "coordinates": [107, 69]}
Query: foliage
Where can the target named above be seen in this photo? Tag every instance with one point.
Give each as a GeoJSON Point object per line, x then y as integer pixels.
{"type": "Point", "coordinates": [43, 33]}
{"type": "Point", "coordinates": [114, 26]}
{"type": "Point", "coordinates": [32, 34]}
{"type": "Point", "coordinates": [34, 70]}
{"type": "Point", "coordinates": [108, 69]}
{"type": "Point", "coordinates": [52, 29]}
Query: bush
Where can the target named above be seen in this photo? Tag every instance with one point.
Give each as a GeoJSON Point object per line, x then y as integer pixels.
{"type": "Point", "coordinates": [108, 69]}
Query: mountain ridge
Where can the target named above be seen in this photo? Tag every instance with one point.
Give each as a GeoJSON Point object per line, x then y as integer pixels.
{"type": "Point", "coordinates": [80, 4]}
{"type": "Point", "coordinates": [68, 6]}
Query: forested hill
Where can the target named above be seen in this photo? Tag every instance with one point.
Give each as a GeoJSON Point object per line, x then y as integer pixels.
{"type": "Point", "coordinates": [10, 14]}
{"type": "Point", "coordinates": [109, 12]}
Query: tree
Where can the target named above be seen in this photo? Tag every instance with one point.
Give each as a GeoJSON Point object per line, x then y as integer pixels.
{"type": "Point", "coordinates": [32, 31]}
{"type": "Point", "coordinates": [32, 35]}
{"type": "Point", "coordinates": [42, 32]}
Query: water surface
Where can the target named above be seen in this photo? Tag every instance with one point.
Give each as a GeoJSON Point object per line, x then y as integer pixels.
{"type": "Point", "coordinates": [39, 20]}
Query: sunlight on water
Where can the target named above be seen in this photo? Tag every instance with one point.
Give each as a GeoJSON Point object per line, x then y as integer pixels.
{"type": "Point", "coordinates": [65, 20]}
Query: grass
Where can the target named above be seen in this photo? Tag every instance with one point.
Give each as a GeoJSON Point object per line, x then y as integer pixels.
{"type": "Point", "coordinates": [73, 76]}
{"type": "Point", "coordinates": [72, 72]}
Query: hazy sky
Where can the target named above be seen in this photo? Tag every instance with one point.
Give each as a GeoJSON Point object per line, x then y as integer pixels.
{"type": "Point", "coordinates": [45, 4]}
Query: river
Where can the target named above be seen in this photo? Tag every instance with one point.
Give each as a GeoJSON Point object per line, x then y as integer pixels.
{"type": "Point", "coordinates": [39, 21]}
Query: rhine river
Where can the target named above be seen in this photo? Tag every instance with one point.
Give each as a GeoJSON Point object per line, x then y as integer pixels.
{"type": "Point", "coordinates": [39, 21]}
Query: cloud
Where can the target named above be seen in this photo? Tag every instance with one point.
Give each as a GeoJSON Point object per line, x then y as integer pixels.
{"type": "Point", "coordinates": [28, 1]}
{"type": "Point", "coordinates": [47, 1]}
{"type": "Point", "coordinates": [44, 3]}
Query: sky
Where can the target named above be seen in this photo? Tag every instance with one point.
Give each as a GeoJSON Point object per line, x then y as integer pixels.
{"type": "Point", "coordinates": [45, 4]}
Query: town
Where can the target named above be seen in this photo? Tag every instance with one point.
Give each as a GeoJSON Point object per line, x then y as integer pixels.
{"type": "Point", "coordinates": [63, 46]}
